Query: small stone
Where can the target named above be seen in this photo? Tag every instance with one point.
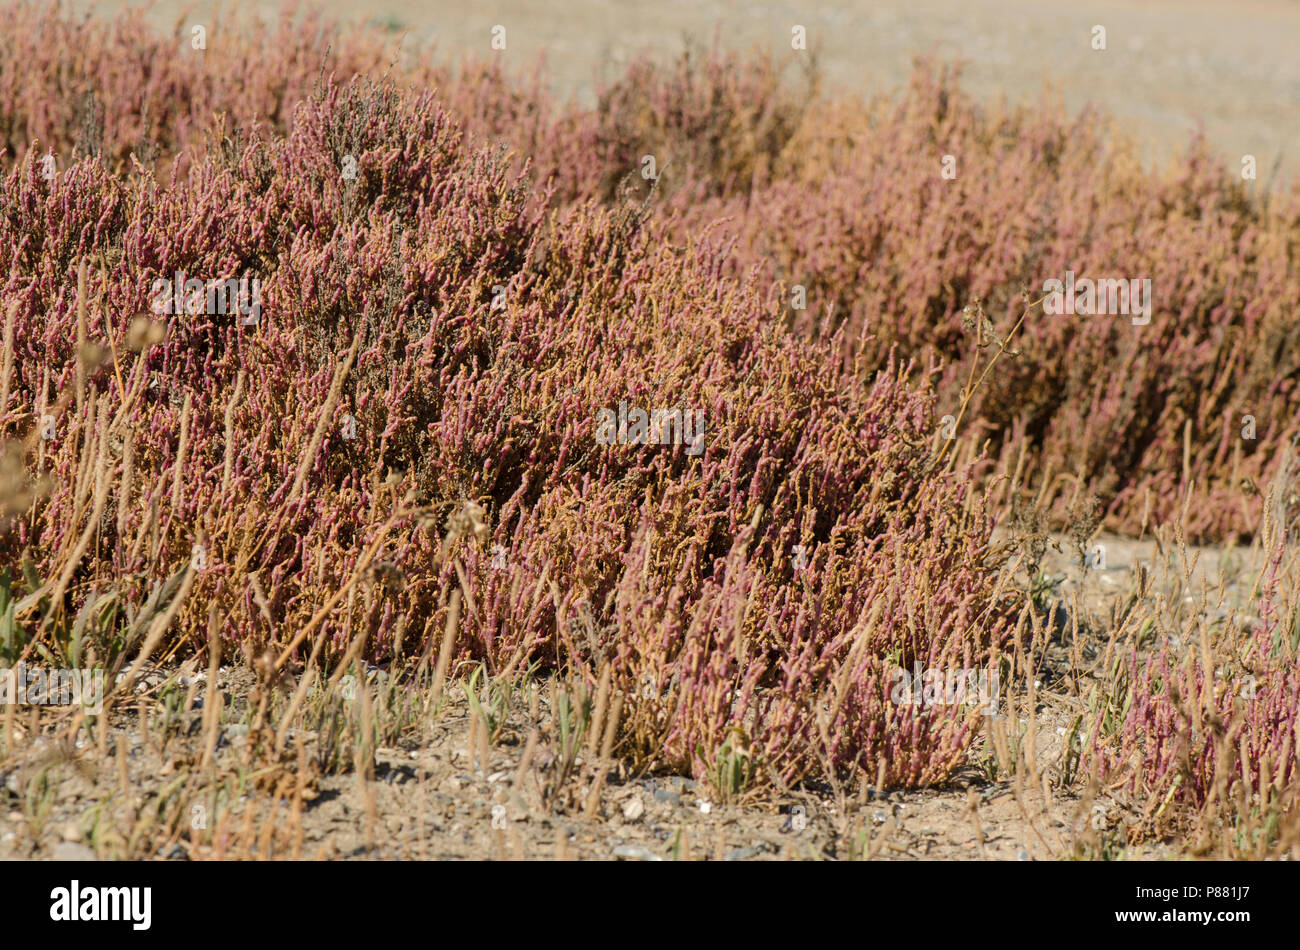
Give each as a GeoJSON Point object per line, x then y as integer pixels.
{"type": "Point", "coordinates": [71, 833]}
{"type": "Point", "coordinates": [740, 854]}
{"type": "Point", "coordinates": [236, 733]}
{"type": "Point", "coordinates": [635, 852]}
{"type": "Point", "coordinates": [704, 806]}
{"type": "Point", "coordinates": [671, 798]}
{"type": "Point", "coordinates": [634, 808]}
{"type": "Point", "coordinates": [71, 851]}
{"type": "Point", "coordinates": [1022, 855]}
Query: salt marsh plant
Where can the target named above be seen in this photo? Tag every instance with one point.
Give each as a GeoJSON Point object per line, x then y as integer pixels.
{"type": "Point", "coordinates": [408, 459]}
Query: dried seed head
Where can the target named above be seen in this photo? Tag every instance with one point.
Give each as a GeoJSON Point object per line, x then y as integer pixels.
{"type": "Point", "coordinates": [1085, 519]}
{"type": "Point", "coordinates": [93, 355]}
{"type": "Point", "coordinates": [16, 492]}
{"type": "Point", "coordinates": [144, 333]}
{"type": "Point", "coordinates": [1028, 530]}
{"type": "Point", "coordinates": [387, 571]}
{"type": "Point", "coordinates": [468, 520]}
{"type": "Point", "coordinates": [974, 320]}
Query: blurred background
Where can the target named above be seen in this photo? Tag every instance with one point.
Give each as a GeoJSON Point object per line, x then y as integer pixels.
{"type": "Point", "coordinates": [1170, 67]}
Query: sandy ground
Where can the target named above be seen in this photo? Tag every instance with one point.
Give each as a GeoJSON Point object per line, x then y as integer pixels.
{"type": "Point", "coordinates": [427, 800]}
{"type": "Point", "coordinates": [1169, 65]}
{"type": "Point", "coordinates": [425, 797]}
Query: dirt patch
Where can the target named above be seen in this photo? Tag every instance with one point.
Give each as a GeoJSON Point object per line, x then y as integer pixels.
{"type": "Point", "coordinates": [427, 799]}
{"type": "Point", "coordinates": [431, 793]}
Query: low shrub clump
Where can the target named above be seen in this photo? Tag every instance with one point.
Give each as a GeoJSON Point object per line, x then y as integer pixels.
{"type": "Point", "coordinates": [420, 390]}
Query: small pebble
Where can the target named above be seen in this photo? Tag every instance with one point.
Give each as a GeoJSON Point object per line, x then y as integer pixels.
{"type": "Point", "coordinates": [71, 851]}
{"type": "Point", "coordinates": [635, 852]}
